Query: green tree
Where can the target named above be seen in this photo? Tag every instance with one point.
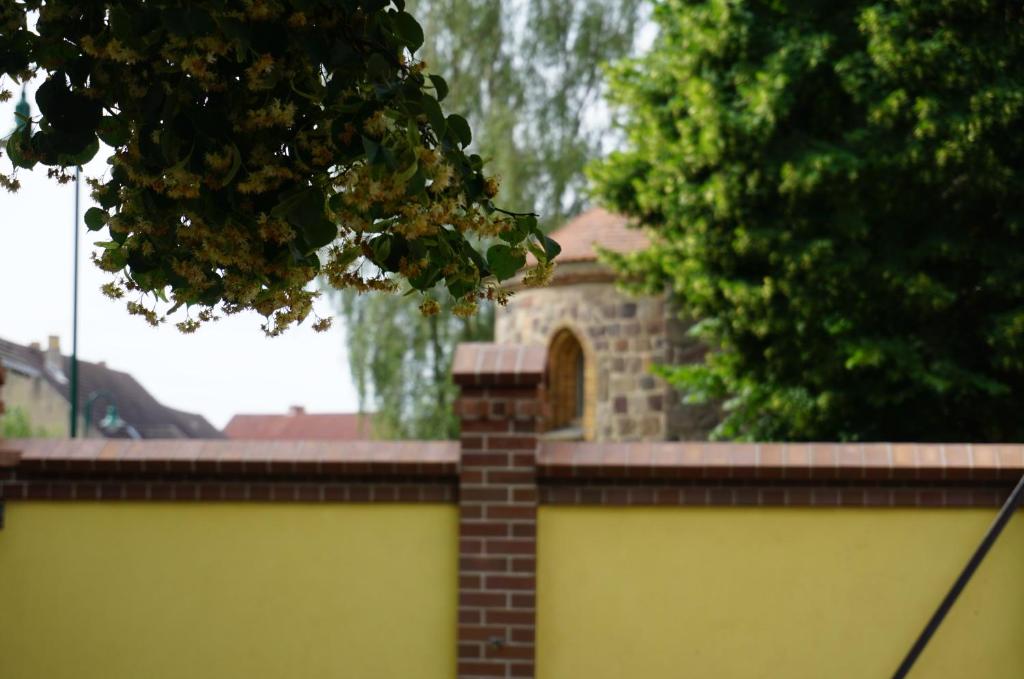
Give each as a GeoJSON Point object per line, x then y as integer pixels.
{"type": "Point", "coordinates": [528, 77]}
{"type": "Point", "coordinates": [255, 145]}
{"type": "Point", "coordinates": [401, 369]}
{"type": "Point", "coordinates": [837, 189]}
{"type": "Point", "coordinates": [16, 424]}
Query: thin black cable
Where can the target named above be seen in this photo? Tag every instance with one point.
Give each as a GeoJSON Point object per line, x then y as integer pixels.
{"type": "Point", "coordinates": [965, 576]}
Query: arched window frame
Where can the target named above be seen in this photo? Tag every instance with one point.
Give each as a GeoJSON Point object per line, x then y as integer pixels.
{"type": "Point", "coordinates": [572, 383]}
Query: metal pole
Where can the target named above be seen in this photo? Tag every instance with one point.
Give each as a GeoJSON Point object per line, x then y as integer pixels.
{"type": "Point", "coordinates": [74, 319]}
{"type": "Point", "coordinates": [947, 603]}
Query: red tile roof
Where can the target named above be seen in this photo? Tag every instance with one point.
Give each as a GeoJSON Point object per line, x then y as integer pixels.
{"type": "Point", "coordinates": [596, 227]}
{"type": "Point", "coordinates": [298, 426]}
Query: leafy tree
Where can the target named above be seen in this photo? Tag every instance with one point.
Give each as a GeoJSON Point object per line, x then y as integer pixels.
{"type": "Point", "coordinates": [403, 366]}
{"type": "Point", "coordinates": [257, 143]}
{"type": "Point", "coordinates": [528, 77]}
{"type": "Point", "coordinates": [838, 191]}
{"type": "Point", "coordinates": [15, 423]}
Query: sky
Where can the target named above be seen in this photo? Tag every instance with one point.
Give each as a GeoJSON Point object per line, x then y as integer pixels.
{"type": "Point", "coordinates": [225, 368]}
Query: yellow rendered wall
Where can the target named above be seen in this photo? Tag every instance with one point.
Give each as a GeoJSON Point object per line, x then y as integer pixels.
{"type": "Point", "coordinates": [194, 591]}
{"type": "Point", "coordinates": [789, 593]}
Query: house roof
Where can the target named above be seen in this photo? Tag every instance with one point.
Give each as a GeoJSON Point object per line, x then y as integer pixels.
{"type": "Point", "coordinates": [580, 236]}
{"type": "Point", "coordinates": [300, 425]}
{"type": "Point", "coordinates": [136, 406]}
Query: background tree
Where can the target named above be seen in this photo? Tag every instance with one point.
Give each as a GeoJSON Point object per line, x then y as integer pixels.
{"type": "Point", "coordinates": [15, 423]}
{"type": "Point", "coordinates": [838, 191]}
{"type": "Point", "coordinates": [528, 76]}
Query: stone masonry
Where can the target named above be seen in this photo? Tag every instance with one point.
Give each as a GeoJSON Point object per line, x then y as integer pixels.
{"type": "Point", "coordinates": [623, 338]}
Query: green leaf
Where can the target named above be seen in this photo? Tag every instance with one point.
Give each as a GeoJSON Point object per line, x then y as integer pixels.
{"type": "Point", "coordinates": [537, 251]}
{"type": "Point", "coordinates": [378, 67]}
{"type": "Point", "coordinates": [409, 30]}
{"type": "Point", "coordinates": [348, 255]}
{"type": "Point", "coordinates": [66, 110]}
{"type": "Point", "coordinates": [504, 262]}
{"type": "Point", "coordinates": [551, 248]}
{"type": "Point", "coordinates": [381, 249]}
{"type": "Point", "coordinates": [113, 131]}
{"type": "Point", "coordinates": [372, 148]}
{"type": "Point", "coordinates": [460, 127]}
{"type": "Point", "coordinates": [236, 163]}
{"type": "Point", "coordinates": [416, 183]}
{"type": "Point", "coordinates": [107, 244]}
{"type": "Point", "coordinates": [306, 211]}
{"type": "Point", "coordinates": [14, 152]}
{"type": "Point", "coordinates": [440, 87]}
{"type": "Point", "coordinates": [408, 172]}
{"type": "Point", "coordinates": [517, 233]}
{"type": "Point", "coordinates": [428, 277]}
{"type": "Point", "coordinates": [435, 116]}
{"type": "Point", "coordinates": [95, 218]}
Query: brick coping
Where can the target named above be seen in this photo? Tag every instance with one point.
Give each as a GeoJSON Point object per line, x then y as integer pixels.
{"type": "Point", "coordinates": [771, 461]}
{"type": "Point", "coordinates": [308, 458]}
{"type": "Point", "coordinates": [556, 460]}
{"type": "Point", "coordinates": [504, 365]}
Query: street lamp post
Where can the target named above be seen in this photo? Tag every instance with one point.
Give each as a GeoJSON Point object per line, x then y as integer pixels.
{"type": "Point", "coordinates": [111, 425]}
{"type": "Point", "coordinates": [23, 112]}
{"type": "Point", "coordinates": [73, 387]}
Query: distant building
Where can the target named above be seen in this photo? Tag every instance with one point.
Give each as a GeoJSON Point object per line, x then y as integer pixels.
{"type": "Point", "coordinates": [297, 425]}
{"type": "Point", "coordinates": [38, 382]}
{"type": "Point", "coordinates": [602, 343]}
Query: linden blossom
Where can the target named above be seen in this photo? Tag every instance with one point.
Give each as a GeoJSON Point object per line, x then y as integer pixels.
{"type": "Point", "coordinates": [246, 142]}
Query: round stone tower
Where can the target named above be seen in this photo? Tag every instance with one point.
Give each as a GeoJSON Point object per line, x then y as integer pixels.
{"type": "Point", "coordinates": [602, 343]}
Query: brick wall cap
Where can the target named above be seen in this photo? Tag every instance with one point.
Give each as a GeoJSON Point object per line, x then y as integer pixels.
{"type": "Point", "coordinates": [376, 458]}
{"type": "Point", "coordinates": [487, 363]}
{"type": "Point", "coordinates": [9, 457]}
{"type": "Point", "coordinates": [754, 461]}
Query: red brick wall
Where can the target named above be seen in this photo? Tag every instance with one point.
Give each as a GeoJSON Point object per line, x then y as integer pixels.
{"type": "Point", "coordinates": [188, 470]}
{"type": "Point", "coordinates": [809, 474]}
{"type": "Point", "coordinates": [501, 410]}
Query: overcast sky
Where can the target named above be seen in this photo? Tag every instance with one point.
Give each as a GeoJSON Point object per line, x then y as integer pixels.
{"type": "Point", "coordinates": [225, 368]}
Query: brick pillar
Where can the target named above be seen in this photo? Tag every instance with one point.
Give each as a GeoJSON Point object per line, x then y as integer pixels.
{"type": "Point", "coordinates": [501, 411]}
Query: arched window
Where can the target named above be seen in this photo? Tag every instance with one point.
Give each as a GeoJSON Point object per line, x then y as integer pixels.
{"type": "Point", "coordinates": [567, 374]}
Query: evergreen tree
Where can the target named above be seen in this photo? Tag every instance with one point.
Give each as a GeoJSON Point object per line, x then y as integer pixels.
{"type": "Point", "coordinates": [838, 192]}
{"type": "Point", "coordinates": [528, 77]}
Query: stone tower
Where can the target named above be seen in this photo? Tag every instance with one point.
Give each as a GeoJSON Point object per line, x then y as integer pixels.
{"type": "Point", "coordinates": [602, 343]}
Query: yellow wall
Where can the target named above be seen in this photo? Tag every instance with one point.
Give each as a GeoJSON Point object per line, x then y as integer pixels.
{"type": "Point", "coordinates": [147, 591]}
{"type": "Point", "coordinates": [789, 593]}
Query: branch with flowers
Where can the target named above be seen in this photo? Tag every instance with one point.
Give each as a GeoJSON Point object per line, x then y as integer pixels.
{"type": "Point", "coordinates": [256, 145]}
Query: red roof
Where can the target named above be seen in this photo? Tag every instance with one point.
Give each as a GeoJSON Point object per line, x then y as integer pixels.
{"type": "Point", "coordinates": [299, 425]}
{"type": "Point", "coordinates": [579, 236]}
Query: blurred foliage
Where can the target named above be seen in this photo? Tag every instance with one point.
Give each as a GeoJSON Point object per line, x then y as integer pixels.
{"type": "Point", "coordinates": [528, 76]}
{"type": "Point", "coordinates": [838, 188]}
{"type": "Point", "coordinates": [402, 367]}
{"type": "Point", "coordinates": [15, 423]}
{"type": "Point", "coordinates": [256, 144]}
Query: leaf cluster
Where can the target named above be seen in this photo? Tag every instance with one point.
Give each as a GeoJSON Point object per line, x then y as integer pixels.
{"type": "Point", "coordinates": [837, 187]}
{"type": "Point", "coordinates": [257, 144]}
